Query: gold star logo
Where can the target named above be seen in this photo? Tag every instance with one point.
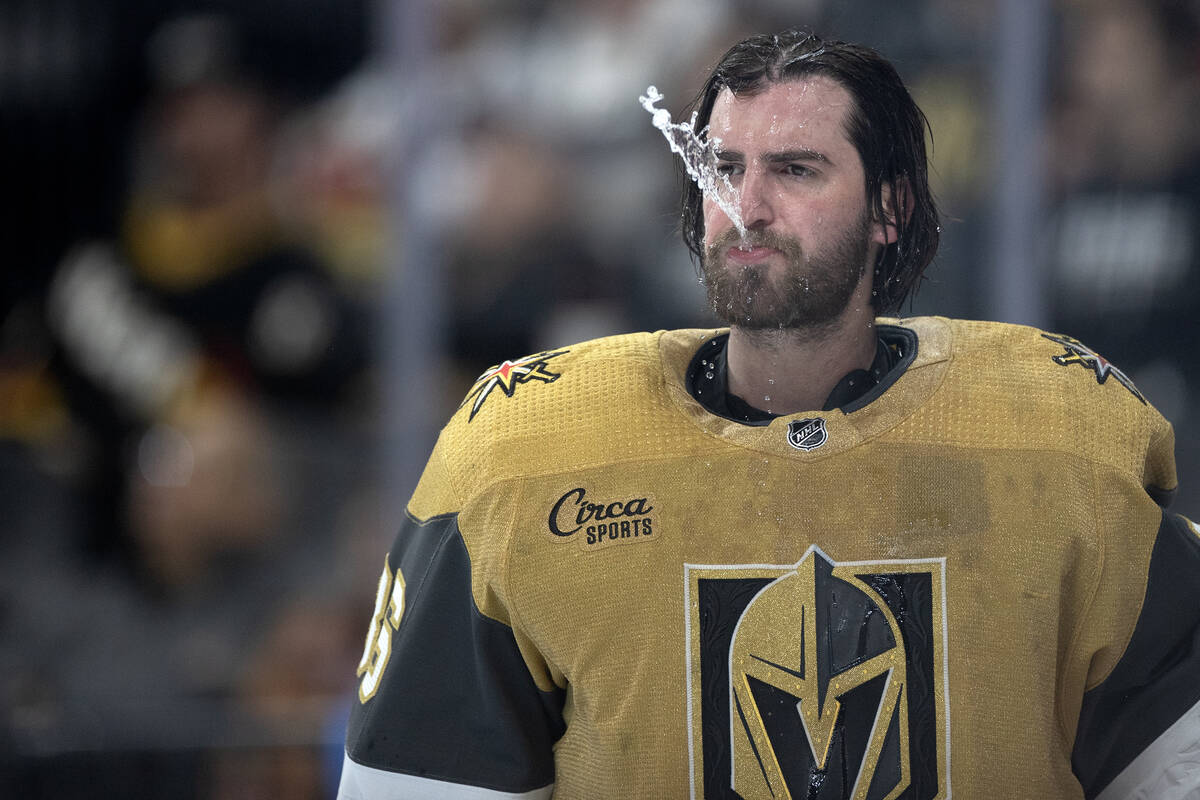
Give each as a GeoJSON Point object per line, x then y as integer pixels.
{"type": "Point", "coordinates": [507, 376]}
{"type": "Point", "coordinates": [1084, 356]}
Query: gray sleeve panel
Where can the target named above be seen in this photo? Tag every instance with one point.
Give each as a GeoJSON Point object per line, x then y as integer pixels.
{"type": "Point", "coordinates": [456, 703]}
{"type": "Point", "coordinates": [1156, 684]}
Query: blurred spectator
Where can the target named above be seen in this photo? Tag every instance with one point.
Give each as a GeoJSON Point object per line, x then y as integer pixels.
{"type": "Point", "coordinates": [295, 678]}
{"type": "Point", "coordinates": [544, 240]}
{"type": "Point", "coordinates": [1123, 249]}
{"type": "Point", "coordinates": [206, 289]}
{"type": "Point", "coordinates": [200, 379]}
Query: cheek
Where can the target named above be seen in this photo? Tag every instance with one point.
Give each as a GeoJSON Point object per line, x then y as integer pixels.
{"type": "Point", "coordinates": [715, 220]}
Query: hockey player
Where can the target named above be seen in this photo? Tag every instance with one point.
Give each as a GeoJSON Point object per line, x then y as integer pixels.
{"type": "Point", "coordinates": [817, 554]}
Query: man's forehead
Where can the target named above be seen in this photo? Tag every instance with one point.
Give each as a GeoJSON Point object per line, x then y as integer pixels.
{"type": "Point", "coordinates": [813, 100]}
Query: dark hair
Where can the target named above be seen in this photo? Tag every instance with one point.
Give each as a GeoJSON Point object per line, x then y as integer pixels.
{"type": "Point", "coordinates": [885, 126]}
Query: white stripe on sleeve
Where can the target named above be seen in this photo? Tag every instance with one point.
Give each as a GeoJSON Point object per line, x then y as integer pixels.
{"type": "Point", "coordinates": [367, 783]}
{"type": "Point", "coordinates": [1169, 769]}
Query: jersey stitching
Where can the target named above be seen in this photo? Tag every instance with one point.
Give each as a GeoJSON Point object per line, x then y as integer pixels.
{"type": "Point", "coordinates": [457, 493]}
{"type": "Point", "coordinates": [1066, 730]}
{"type": "Point", "coordinates": [504, 579]}
{"type": "Point", "coordinates": [1158, 435]}
{"type": "Point", "coordinates": [1128, 637]}
{"type": "Point", "coordinates": [1141, 603]}
{"type": "Point", "coordinates": [515, 617]}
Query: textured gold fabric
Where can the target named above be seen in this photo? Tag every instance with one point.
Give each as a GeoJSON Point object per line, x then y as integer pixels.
{"type": "Point", "coordinates": [1020, 479]}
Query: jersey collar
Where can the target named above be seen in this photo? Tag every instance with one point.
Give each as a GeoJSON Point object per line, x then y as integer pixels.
{"type": "Point", "coordinates": [925, 349]}
{"type": "Point", "coordinates": [707, 378]}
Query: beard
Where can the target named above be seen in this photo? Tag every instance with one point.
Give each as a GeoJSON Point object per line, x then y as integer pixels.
{"type": "Point", "coordinates": [812, 292]}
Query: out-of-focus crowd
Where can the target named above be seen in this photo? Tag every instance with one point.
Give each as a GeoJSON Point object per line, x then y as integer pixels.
{"type": "Point", "coordinates": [192, 510]}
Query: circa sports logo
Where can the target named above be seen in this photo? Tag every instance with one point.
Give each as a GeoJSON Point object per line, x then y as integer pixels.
{"type": "Point", "coordinates": [818, 680]}
{"type": "Point", "coordinates": [603, 522]}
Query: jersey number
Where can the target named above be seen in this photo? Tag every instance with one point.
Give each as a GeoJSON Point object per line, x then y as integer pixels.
{"type": "Point", "coordinates": [389, 608]}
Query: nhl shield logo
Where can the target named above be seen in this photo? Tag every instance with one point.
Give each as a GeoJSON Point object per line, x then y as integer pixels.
{"type": "Point", "coordinates": [807, 434]}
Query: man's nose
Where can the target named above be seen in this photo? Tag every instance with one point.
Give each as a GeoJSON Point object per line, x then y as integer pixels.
{"type": "Point", "coordinates": [754, 203]}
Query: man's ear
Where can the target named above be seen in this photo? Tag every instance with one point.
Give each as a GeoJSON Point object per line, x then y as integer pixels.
{"type": "Point", "coordinates": [883, 232]}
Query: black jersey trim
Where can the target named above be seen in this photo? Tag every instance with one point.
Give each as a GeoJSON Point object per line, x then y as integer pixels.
{"type": "Point", "coordinates": [456, 702]}
{"type": "Point", "coordinates": [1164, 497]}
{"type": "Point", "coordinates": [1156, 681]}
{"type": "Point", "coordinates": [712, 390]}
{"type": "Point", "coordinates": [904, 342]}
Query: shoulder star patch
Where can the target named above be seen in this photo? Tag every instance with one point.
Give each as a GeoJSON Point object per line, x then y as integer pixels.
{"type": "Point", "coordinates": [1079, 353]}
{"type": "Point", "coordinates": [508, 375]}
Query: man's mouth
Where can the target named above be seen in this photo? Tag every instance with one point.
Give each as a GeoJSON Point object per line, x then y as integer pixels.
{"type": "Point", "coordinates": [750, 255]}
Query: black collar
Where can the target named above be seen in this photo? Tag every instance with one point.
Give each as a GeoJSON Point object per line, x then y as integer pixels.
{"type": "Point", "coordinates": [708, 377]}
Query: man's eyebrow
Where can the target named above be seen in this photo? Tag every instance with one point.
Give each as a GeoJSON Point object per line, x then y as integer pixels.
{"type": "Point", "coordinates": [802, 154]}
{"type": "Point", "coordinates": [778, 157]}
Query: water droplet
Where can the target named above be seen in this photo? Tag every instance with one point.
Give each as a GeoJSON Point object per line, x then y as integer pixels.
{"type": "Point", "coordinates": [698, 157]}
{"type": "Point", "coordinates": [767, 398]}
{"type": "Point", "coordinates": [708, 375]}
{"type": "Point", "coordinates": [771, 381]}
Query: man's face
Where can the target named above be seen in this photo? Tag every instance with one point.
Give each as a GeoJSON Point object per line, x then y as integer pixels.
{"type": "Point", "coordinates": [803, 202]}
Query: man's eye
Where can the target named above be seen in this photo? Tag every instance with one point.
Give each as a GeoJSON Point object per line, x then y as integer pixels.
{"type": "Point", "coordinates": [728, 168]}
{"type": "Point", "coordinates": [798, 170]}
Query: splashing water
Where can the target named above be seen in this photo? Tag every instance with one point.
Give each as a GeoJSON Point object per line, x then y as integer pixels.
{"type": "Point", "coordinates": [699, 157]}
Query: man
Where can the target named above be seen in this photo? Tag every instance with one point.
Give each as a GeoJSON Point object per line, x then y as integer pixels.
{"type": "Point", "coordinates": [817, 556]}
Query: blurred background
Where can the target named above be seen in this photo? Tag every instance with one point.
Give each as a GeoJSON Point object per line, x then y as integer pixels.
{"type": "Point", "coordinates": [256, 252]}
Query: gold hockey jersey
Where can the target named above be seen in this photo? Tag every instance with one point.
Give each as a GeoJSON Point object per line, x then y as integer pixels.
{"type": "Point", "coordinates": [964, 586]}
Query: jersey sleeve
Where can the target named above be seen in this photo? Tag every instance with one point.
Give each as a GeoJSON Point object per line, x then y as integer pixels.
{"type": "Point", "coordinates": [447, 706]}
{"type": "Point", "coordinates": [1139, 728]}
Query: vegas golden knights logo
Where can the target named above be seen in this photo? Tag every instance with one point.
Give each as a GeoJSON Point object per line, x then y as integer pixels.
{"type": "Point", "coordinates": [818, 680]}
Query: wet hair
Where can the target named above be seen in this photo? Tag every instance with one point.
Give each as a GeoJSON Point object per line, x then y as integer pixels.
{"type": "Point", "coordinates": [885, 126]}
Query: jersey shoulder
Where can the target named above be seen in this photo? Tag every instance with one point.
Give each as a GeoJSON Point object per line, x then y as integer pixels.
{"type": "Point", "coordinates": [571, 407]}
{"type": "Point", "coordinates": [1019, 387]}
